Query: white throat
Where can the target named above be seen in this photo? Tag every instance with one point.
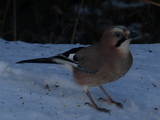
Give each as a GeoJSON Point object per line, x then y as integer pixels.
{"type": "Point", "coordinates": [125, 46]}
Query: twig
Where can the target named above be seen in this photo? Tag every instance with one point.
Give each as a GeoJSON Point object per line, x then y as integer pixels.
{"type": "Point", "coordinates": [76, 23]}
{"type": "Point", "coordinates": [61, 34]}
{"type": "Point", "coordinates": [6, 33]}
{"type": "Point", "coordinates": [14, 20]}
{"type": "Point", "coordinates": [154, 3]}
{"type": "Point", "coordinates": [4, 18]}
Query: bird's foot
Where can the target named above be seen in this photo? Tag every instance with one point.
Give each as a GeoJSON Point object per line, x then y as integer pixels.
{"type": "Point", "coordinates": [120, 105]}
{"type": "Point", "coordinates": [98, 108]}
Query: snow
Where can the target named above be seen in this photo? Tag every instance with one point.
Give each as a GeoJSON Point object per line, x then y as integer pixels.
{"type": "Point", "coordinates": [47, 92]}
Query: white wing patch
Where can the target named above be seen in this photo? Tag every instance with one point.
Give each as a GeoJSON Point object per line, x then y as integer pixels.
{"type": "Point", "coordinates": [71, 56]}
{"type": "Point", "coordinates": [65, 62]}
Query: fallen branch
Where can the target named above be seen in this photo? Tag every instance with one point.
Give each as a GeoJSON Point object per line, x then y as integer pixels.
{"type": "Point", "coordinates": [151, 2]}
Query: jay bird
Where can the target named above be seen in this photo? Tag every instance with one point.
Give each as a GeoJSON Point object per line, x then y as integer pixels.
{"type": "Point", "coordinates": [97, 64]}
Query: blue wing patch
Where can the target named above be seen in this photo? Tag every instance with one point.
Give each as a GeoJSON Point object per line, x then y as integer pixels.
{"type": "Point", "coordinates": [87, 71]}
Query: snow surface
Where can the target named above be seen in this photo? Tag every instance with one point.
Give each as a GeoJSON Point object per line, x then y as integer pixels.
{"type": "Point", "coordinates": [47, 92]}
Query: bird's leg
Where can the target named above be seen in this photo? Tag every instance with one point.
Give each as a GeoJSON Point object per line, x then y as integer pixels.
{"type": "Point", "coordinates": [94, 105]}
{"type": "Point", "coordinates": [110, 100]}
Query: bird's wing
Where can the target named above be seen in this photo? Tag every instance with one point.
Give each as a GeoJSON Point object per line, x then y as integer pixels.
{"type": "Point", "coordinates": [86, 59]}
{"type": "Point", "coordinates": [91, 59]}
{"type": "Point", "coordinates": [67, 57]}
{"type": "Point", "coordinates": [80, 57]}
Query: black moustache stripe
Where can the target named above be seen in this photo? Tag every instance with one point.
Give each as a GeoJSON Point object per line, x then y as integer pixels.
{"type": "Point", "coordinates": [120, 42]}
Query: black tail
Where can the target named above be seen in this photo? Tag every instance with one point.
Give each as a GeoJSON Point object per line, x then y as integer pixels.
{"type": "Point", "coordinates": [38, 60]}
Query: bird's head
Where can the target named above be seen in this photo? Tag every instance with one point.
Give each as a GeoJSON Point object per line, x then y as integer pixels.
{"type": "Point", "coordinates": [118, 36]}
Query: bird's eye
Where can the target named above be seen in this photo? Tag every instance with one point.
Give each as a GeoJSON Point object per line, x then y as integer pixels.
{"type": "Point", "coordinates": [117, 34]}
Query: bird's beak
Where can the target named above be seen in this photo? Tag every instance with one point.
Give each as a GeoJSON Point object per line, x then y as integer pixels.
{"type": "Point", "coordinates": [133, 34]}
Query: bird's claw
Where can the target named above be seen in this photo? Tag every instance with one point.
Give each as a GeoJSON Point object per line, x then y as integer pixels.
{"type": "Point", "coordinates": [101, 99]}
{"type": "Point", "coordinates": [87, 103]}
{"type": "Point", "coordinates": [98, 108]}
{"type": "Point", "coordinates": [120, 105]}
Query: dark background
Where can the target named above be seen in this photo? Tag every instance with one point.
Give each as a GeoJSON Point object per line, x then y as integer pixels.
{"type": "Point", "coordinates": [53, 21]}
